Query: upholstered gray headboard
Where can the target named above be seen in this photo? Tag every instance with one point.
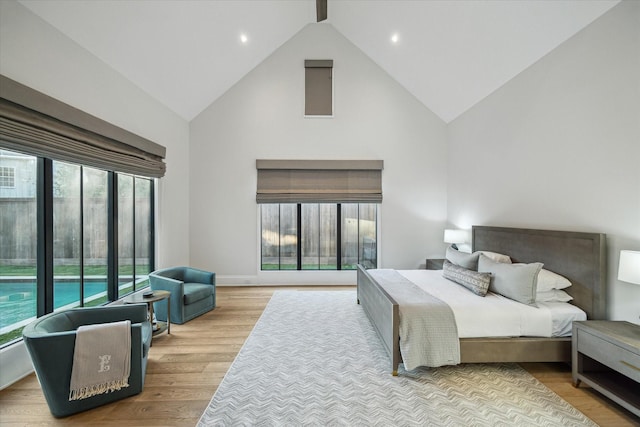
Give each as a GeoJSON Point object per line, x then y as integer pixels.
{"type": "Point", "coordinates": [580, 257]}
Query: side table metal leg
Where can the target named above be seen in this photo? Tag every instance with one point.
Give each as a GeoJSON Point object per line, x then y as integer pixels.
{"type": "Point", "coordinates": [151, 315]}
{"type": "Point", "coordinates": [169, 315]}
{"type": "Point", "coordinates": [151, 321]}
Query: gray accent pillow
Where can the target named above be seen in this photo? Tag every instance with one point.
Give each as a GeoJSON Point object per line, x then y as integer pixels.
{"type": "Point", "coordinates": [478, 283]}
{"type": "Point", "coordinates": [463, 259]}
{"type": "Point", "coordinates": [515, 281]}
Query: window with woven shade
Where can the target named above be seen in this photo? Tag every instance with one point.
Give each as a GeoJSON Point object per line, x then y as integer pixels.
{"type": "Point", "coordinates": [318, 214]}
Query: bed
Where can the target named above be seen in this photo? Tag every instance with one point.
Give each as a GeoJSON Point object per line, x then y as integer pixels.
{"type": "Point", "coordinates": [578, 256]}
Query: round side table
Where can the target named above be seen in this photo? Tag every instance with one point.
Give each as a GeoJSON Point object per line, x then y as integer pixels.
{"type": "Point", "coordinates": [139, 297]}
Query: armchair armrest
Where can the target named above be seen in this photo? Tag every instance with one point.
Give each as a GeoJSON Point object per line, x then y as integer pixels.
{"type": "Point", "coordinates": [176, 287]}
{"type": "Point", "coordinates": [161, 283]}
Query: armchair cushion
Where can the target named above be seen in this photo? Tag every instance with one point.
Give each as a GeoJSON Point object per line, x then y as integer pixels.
{"type": "Point", "coordinates": [196, 291]}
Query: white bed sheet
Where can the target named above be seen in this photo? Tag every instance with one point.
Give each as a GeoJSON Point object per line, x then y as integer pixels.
{"type": "Point", "coordinates": [494, 315]}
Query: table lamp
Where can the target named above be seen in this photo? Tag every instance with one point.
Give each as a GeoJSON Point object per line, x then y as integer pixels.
{"type": "Point", "coordinates": [629, 267]}
{"type": "Point", "coordinates": [457, 237]}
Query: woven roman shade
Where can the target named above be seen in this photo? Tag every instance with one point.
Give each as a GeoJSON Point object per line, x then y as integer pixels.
{"type": "Point", "coordinates": [319, 181]}
{"type": "Point", "coordinates": [36, 124]}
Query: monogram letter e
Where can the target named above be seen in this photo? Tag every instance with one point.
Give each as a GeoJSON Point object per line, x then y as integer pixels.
{"type": "Point", "coordinates": [104, 362]}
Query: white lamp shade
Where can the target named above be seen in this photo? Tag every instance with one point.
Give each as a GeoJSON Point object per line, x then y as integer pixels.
{"type": "Point", "coordinates": [456, 236]}
{"type": "Point", "coordinates": [629, 267]}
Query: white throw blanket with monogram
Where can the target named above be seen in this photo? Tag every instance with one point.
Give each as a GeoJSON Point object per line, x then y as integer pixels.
{"type": "Point", "coordinates": [101, 359]}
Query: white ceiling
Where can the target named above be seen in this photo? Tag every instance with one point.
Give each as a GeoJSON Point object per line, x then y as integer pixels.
{"type": "Point", "coordinates": [450, 53]}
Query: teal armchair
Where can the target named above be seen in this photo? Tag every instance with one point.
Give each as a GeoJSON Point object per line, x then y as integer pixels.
{"type": "Point", "coordinates": [193, 292]}
{"type": "Point", "coordinates": [50, 341]}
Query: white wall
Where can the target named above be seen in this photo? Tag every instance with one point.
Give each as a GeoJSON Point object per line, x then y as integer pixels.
{"type": "Point", "coordinates": [37, 55]}
{"type": "Point", "coordinates": [558, 147]}
{"type": "Point", "coordinates": [262, 117]}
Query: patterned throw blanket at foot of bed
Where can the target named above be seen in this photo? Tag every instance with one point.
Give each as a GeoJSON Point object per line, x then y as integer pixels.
{"type": "Point", "coordinates": [428, 331]}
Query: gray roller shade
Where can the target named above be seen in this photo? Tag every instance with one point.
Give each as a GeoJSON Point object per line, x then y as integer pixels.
{"type": "Point", "coordinates": [318, 86]}
{"type": "Point", "coordinates": [34, 123]}
{"type": "Point", "coordinates": [319, 181]}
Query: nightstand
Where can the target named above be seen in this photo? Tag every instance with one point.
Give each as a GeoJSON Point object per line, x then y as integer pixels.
{"type": "Point", "coordinates": [606, 356]}
{"type": "Point", "coordinates": [434, 263]}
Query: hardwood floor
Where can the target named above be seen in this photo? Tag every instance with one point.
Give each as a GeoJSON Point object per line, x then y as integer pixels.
{"type": "Point", "coordinates": [186, 367]}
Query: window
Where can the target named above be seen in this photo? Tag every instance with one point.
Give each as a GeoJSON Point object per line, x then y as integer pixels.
{"type": "Point", "coordinates": [318, 236]}
{"type": "Point", "coordinates": [319, 243]}
{"type": "Point", "coordinates": [135, 237]}
{"type": "Point", "coordinates": [7, 177]}
{"type": "Point", "coordinates": [67, 234]}
{"type": "Point", "coordinates": [142, 232]}
{"type": "Point", "coordinates": [318, 87]}
{"type": "Point", "coordinates": [74, 207]}
{"type": "Point", "coordinates": [318, 214]}
{"type": "Point", "coordinates": [80, 250]}
{"type": "Point", "coordinates": [18, 248]}
{"type": "Point", "coordinates": [358, 231]}
{"type": "Point", "coordinates": [80, 245]}
{"type": "Point", "coordinates": [125, 235]}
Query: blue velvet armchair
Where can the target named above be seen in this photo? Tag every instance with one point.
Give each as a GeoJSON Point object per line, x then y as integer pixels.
{"type": "Point", "coordinates": [50, 341]}
{"type": "Point", "coordinates": [193, 292]}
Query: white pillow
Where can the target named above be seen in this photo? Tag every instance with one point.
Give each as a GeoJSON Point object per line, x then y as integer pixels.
{"type": "Point", "coordinates": [495, 256]}
{"type": "Point", "coordinates": [554, 295]}
{"type": "Point", "coordinates": [548, 280]}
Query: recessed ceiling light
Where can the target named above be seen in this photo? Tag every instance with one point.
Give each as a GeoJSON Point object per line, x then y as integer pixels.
{"type": "Point", "coordinates": [243, 38]}
{"type": "Point", "coordinates": [395, 38]}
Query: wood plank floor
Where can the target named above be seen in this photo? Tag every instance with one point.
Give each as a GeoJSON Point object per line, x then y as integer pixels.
{"type": "Point", "coordinates": [186, 367]}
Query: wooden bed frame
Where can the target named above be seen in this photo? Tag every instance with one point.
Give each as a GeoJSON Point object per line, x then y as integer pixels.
{"type": "Point", "coordinates": [580, 257]}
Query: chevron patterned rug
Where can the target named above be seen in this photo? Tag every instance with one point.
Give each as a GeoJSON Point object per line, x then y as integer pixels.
{"type": "Point", "coordinates": [314, 359]}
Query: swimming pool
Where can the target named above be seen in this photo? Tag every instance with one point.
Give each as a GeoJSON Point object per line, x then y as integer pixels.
{"type": "Point", "coordinates": [18, 297]}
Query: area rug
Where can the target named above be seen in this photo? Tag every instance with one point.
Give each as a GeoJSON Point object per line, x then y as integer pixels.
{"type": "Point", "coordinates": [314, 359]}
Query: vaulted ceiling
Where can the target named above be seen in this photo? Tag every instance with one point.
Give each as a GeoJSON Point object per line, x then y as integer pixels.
{"type": "Point", "coordinates": [449, 54]}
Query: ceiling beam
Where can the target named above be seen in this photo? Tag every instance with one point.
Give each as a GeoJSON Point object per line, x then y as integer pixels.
{"type": "Point", "coordinates": [321, 10]}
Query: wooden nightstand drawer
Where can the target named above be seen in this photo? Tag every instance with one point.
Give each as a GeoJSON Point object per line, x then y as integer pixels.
{"type": "Point", "coordinates": [605, 355]}
{"type": "Point", "coordinates": [617, 358]}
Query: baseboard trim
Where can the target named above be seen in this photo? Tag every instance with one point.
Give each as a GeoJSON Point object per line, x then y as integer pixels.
{"type": "Point", "coordinates": [15, 364]}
